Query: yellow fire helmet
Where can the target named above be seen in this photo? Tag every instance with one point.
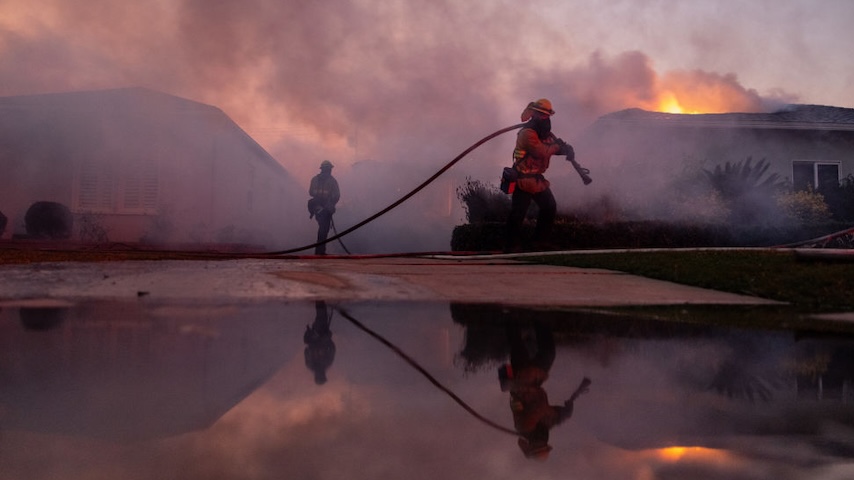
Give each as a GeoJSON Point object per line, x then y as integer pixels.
{"type": "Point", "coordinates": [542, 105]}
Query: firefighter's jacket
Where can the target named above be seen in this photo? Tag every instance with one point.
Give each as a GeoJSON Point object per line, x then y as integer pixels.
{"type": "Point", "coordinates": [530, 405]}
{"type": "Point", "coordinates": [324, 191]}
{"type": "Point", "coordinates": [531, 158]}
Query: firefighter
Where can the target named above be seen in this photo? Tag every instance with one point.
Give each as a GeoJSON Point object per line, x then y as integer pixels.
{"type": "Point", "coordinates": [319, 347]}
{"type": "Point", "coordinates": [532, 353]}
{"type": "Point", "coordinates": [324, 194]}
{"type": "Point", "coordinates": [535, 145]}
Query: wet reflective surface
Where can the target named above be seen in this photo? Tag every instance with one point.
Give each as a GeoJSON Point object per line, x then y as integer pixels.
{"type": "Point", "coordinates": [145, 390]}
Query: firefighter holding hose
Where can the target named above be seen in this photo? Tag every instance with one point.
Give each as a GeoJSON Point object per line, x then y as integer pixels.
{"type": "Point", "coordinates": [535, 145]}
{"type": "Point", "coordinates": [532, 353]}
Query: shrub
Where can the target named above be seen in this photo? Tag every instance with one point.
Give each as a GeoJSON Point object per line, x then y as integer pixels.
{"type": "Point", "coordinates": [92, 230]}
{"type": "Point", "coordinates": [604, 208]}
{"type": "Point", "coordinates": [840, 198]}
{"type": "Point", "coordinates": [482, 202]}
{"type": "Point", "coordinates": [803, 207]}
{"type": "Point", "coordinates": [576, 235]}
{"type": "Point", "coordinates": [48, 220]}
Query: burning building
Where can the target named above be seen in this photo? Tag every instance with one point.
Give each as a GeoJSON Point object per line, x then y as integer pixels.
{"type": "Point", "coordinates": [810, 145]}
{"type": "Point", "coordinates": [139, 166]}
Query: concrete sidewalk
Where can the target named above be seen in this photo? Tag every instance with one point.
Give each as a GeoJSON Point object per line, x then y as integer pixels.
{"type": "Point", "coordinates": [494, 280]}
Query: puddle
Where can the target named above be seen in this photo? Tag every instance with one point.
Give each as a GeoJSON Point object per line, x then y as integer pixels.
{"type": "Point", "coordinates": [147, 390]}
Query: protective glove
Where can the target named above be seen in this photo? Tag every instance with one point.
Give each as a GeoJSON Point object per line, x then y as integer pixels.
{"type": "Point", "coordinates": [566, 149]}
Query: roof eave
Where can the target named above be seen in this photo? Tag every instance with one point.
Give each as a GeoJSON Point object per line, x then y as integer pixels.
{"type": "Point", "coordinates": [735, 125]}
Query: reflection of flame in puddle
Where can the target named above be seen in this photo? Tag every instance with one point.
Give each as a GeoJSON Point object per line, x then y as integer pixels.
{"type": "Point", "coordinates": [699, 455]}
{"type": "Point", "coordinates": [678, 453]}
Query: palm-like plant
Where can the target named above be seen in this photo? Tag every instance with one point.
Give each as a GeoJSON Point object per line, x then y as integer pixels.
{"type": "Point", "coordinates": [742, 186]}
{"type": "Point", "coordinates": [741, 178]}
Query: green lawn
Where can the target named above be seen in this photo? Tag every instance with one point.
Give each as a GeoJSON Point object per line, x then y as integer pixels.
{"type": "Point", "coordinates": [816, 286]}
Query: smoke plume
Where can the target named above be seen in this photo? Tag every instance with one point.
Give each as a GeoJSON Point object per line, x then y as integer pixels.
{"type": "Point", "coordinates": [403, 85]}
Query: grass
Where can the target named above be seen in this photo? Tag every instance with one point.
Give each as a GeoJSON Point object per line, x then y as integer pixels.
{"type": "Point", "coordinates": [815, 286]}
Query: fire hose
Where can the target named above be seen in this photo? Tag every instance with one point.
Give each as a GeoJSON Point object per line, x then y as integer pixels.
{"type": "Point", "coordinates": [580, 390]}
{"type": "Point", "coordinates": [405, 197]}
{"type": "Point", "coordinates": [332, 222]}
{"type": "Point", "coordinates": [426, 374]}
{"type": "Point", "coordinates": [583, 172]}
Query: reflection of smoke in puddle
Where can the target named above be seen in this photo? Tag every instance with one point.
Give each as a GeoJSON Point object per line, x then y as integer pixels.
{"type": "Point", "coordinates": [203, 379]}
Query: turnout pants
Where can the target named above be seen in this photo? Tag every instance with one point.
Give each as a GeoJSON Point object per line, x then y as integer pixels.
{"type": "Point", "coordinates": [521, 200]}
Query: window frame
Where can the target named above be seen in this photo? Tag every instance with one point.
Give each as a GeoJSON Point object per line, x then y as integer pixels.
{"type": "Point", "coordinates": [814, 165]}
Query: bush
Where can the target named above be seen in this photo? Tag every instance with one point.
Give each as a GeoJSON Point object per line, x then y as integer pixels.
{"type": "Point", "coordinates": [840, 199]}
{"type": "Point", "coordinates": [483, 203]}
{"type": "Point", "coordinates": [575, 235]}
{"type": "Point", "coordinates": [803, 207]}
{"type": "Point", "coordinates": [48, 220]}
{"type": "Point", "coordinates": [92, 229]}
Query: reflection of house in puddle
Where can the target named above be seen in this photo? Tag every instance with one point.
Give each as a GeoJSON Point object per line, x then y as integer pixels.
{"type": "Point", "coordinates": [124, 372]}
{"type": "Point", "coordinates": [663, 384]}
{"type": "Point", "coordinates": [825, 369]}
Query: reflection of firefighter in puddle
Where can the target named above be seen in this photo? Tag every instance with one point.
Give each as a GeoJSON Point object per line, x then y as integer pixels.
{"type": "Point", "coordinates": [532, 352]}
{"type": "Point", "coordinates": [319, 347]}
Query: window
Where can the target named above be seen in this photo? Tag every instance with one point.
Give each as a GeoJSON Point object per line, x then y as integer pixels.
{"type": "Point", "coordinates": [100, 189]}
{"type": "Point", "coordinates": [95, 187]}
{"type": "Point", "coordinates": [140, 188]}
{"type": "Point", "coordinates": [814, 175]}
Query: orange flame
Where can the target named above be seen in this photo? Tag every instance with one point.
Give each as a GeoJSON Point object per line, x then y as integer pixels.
{"type": "Point", "coordinates": [693, 92]}
{"type": "Point", "coordinates": [669, 104]}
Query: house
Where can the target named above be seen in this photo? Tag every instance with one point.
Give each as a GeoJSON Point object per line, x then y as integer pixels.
{"type": "Point", "coordinates": [810, 145]}
{"type": "Point", "coordinates": [139, 166]}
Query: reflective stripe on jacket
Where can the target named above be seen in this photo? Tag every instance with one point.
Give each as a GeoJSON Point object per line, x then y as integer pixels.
{"type": "Point", "coordinates": [531, 154]}
{"type": "Point", "coordinates": [324, 188]}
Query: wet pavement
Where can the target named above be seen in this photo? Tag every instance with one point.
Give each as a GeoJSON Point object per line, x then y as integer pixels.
{"type": "Point", "coordinates": [402, 368]}
{"type": "Point", "coordinates": [485, 280]}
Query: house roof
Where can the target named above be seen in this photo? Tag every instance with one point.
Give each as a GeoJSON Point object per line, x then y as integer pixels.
{"type": "Point", "coordinates": [126, 100]}
{"type": "Point", "coordinates": [98, 99]}
{"type": "Point", "coordinates": [790, 117]}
